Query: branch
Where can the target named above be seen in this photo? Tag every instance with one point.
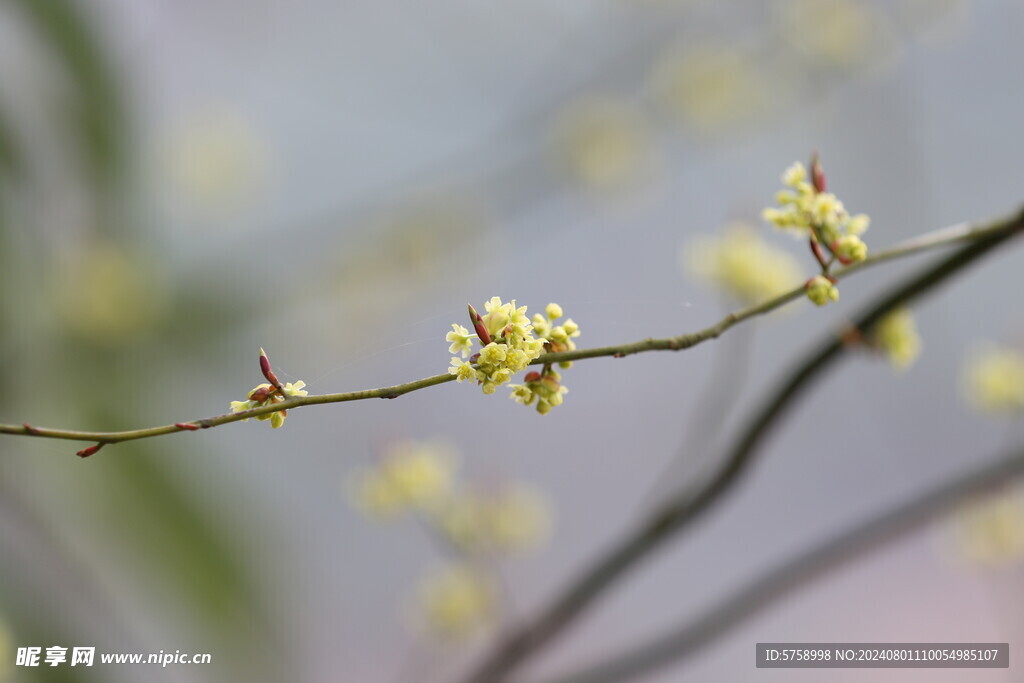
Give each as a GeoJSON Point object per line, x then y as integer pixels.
{"type": "Point", "coordinates": [692, 637]}
{"type": "Point", "coordinates": [687, 506]}
{"type": "Point", "coordinates": [947, 236]}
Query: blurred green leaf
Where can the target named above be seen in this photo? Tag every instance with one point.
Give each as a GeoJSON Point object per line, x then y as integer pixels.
{"type": "Point", "coordinates": [98, 113]}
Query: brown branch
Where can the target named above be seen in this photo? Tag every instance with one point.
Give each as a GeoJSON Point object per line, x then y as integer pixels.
{"type": "Point", "coordinates": [676, 514]}
{"type": "Point", "coordinates": [686, 640]}
{"type": "Point", "coordinates": [947, 236]}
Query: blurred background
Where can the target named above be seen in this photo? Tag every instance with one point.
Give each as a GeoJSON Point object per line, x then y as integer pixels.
{"type": "Point", "coordinates": [182, 183]}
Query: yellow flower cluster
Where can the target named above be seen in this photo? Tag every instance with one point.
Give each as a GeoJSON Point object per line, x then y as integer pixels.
{"type": "Point", "coordinates": [808, 209]}
{"type": "Point", "coordinates": [510, 342]}
{"type": "Point", "coordinates": [743, 264]}
{"type": "Point", "coordinates": [266, 394]}
{"type": "Point", "coordinates": [995, 380]}
{"type": "Point", "coordinates": [896, 335]}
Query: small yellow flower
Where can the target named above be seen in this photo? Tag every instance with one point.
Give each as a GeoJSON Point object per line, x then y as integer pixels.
{"type": "Point", "coordinates": [995, 380]}
{"type": "Point", "coordinates": [463, 371]}
{"type": "Point", "coordinates": [493, 354]}
{"type": "Point", "coordinates": [296, 389]}
{"type": "Point", "coordinates": [896, 335]}
{"type": "Point", "coordinates": [553, 311]}
{"type": "Point", "coordinates": [241, 407]}
{"type": "Point", "coordinates": [522, 394]}
{"type": "Point", "coordinates": [457, 602]}
{"type": "Point", "coordinates": [820, 290]}
{"type": "Point", "coordinates": [461, 339]}
{"type": "Point", "coordinates": [795, 174]}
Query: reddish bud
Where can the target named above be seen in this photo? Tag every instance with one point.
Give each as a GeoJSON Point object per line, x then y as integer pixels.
{"type": "Point", "coordinates": [29, 429]}
{"type": "Point", "coordinates": [474, 358]}
{"type": "Point", "coordinates": [817, 173]}
{"type": "Point", "coordinates": [478, 325]}
{"type": "Point", "coordinates": [818, 253]}
{"type": "Point", "coordinates": [532, 376]}
{"type": "Point", "coordinates": [86, 452]}
{"type": "Point", "coordinates": [260, 395]}
{"type": "Point", "coordinates": [267, 372]}
{"type": "Point", "coordinates": [186, 425]}
{"type": "Point", "coordinates": [834, 247]}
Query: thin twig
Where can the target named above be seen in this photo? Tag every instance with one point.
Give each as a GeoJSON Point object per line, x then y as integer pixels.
{"type": "Point", "coordinates": [677, 513]}
{"type": "Point", "coordinates": [943, 237]}
{"type": "Point", "coordinates": [686, 640]}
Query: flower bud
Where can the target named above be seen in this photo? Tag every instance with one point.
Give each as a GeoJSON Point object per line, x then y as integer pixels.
{"type": "Point", "coordinates": [817, 174]}
{"type": "Point", "coordinates": [821, 290]}
{"type": "Point", "coordinates": [478, 325]}
{"type": "Point", "coordinates": [849, 249]}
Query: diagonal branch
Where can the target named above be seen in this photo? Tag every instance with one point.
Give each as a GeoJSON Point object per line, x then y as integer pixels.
{"type": "Point", "coordinates": [955, 234]}
{"type": "Point", "coordinates": [692, 637]}
{"type": "Point", "coordinates": [690, 503]}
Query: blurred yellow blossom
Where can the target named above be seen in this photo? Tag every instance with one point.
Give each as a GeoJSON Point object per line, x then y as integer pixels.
{"type": "Point", "coordinates": [896, 335]}
{"type": "Point", "coordinates": [216, 158]}
{"type": "Point", "coordinates": [604, 141]}
{"type": "Point", "coordinates": [995, 380]}
{"type": "Point", "coordinates": [110, 294]}
{"type": "Point", "coordinates": [709, 86]}
{"type": "Point", "coordinates": [742, 264]}
{"type": "Point", "coordinates": [412, 475]}
{"type": "Point", "coordinates": [457, 602]}
{"type": "Point", "coordinates": [838, 33]}
{"type": "Point", "coordinates": [512, 518]}
{"type": "Point", "coordinates": [990, 532]}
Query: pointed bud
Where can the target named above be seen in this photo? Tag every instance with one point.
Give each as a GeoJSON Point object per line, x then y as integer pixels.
{"type": "Point", "coordinates": [186, 425]}
{"type": "Point", "coordinates": [817, 173]}
{"type": "Point", "coordinates": [267, 372]}
{"type": "Point", "coordinates": [478, 325]}
{"type": "Point", "coordinates": [86, 452]}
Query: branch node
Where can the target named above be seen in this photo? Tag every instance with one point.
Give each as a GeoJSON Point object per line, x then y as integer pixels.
{"type": "Point", "coordinates": [187, 426]}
